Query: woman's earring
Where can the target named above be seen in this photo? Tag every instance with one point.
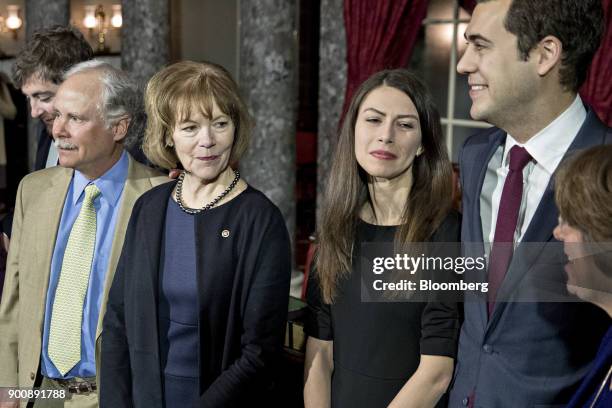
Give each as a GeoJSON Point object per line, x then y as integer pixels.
{"type": "Point", "coordinates": [170, 144]}
{"type": "Point", "coordinates": [420, 151]}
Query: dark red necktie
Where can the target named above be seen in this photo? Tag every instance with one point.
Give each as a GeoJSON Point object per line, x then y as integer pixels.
{"type": "Point", "coordinates": [507, 218]}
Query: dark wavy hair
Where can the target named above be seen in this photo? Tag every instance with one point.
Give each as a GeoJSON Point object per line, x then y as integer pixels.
{"type": "Point", "coordinates": [346, 192]}
{"type": "Point", "coordinates": [49, 54]}
{"type": "Point", "coordinates": [578, 24]}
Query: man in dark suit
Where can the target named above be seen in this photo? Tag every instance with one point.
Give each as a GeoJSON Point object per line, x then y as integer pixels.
{"type": "Point", "coordinates": [525, 62]}
{"type": "Point", "coordinates": [38, 71]}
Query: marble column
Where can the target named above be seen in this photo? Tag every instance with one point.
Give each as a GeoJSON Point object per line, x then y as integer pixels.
{"type": "Point", "coordinates": [268, 82]}
{"type": "Point", "coordinates": [45, 13]}
{"type": "Point", "coordinates": [332, 83]}
{"type": "Point", "coordinates": [40, 14]}
{"type": "Point", "coordinates": [145, 37]}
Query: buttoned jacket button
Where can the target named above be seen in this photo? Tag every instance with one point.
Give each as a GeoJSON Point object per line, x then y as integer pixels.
{"type": "Point", "coordinates": [487, 348]}
{"type": "Point", "coordinates": [465, 401]}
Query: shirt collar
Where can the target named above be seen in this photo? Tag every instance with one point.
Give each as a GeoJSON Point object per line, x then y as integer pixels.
{"type": "Point", "coordinates": [548, 146]}
{"type": "Point", "coordinates": [110, 183]}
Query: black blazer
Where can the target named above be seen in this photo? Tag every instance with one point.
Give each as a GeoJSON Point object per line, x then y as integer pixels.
{"type": "Point", "coordinates": [44, 145]}
{"type": "Point", "coordinates": [243, 289]}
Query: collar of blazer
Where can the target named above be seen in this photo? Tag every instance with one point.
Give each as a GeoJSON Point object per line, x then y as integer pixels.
{"type": "Point", "coordinates": [592, 132]}
{"type": "Point", "coordinates": [539, 233]}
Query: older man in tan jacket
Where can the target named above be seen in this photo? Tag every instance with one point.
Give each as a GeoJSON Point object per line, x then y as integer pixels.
{"type": "Point", "coordinates": [68, 233]}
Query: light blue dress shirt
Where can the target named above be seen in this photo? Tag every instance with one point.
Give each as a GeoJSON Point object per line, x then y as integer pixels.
{"type": "Point", "coordinates": [107, 205]}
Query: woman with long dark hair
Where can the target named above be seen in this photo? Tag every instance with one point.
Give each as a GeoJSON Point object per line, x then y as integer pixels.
{"type": "Point", "coordinates": [390, 181]}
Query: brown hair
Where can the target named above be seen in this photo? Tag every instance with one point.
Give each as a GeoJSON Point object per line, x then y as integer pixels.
{"type": "Point", "coordinates": [579, 25]}
{"type": "Point", "coordinates": [171, 95]}
{"type": "Point", "coordinates": [346, 191]}
{"type": "Point", "coordinates": [49, 54]}
{"type": "Point", "coordinates": [583, 192]}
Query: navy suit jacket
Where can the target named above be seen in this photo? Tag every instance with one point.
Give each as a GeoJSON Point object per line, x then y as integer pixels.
{"type": "Point", "coordinates": [527, 354]}
{"type": "Point", "coordinates": [44, 144]}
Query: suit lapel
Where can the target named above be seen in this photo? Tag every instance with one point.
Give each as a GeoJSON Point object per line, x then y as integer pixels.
{"type": "Point", "coordinates": [137, 182]}
{"type": "Point", "coordinates": [484, 157]}
{"type": "Point", "coordinates": [591, 133]}
{"type": "Point", "coordinates": [47, 217]}
{"type": "Point", "coordinates": [539, 232]}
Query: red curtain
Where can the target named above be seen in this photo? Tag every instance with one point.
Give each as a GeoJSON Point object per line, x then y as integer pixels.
{"type": "Point", "coordinates": [379, 34]}
{"type": "Point", "coordinates": [597, 90]}
{"type": "Point", "coordinates": [468, 5]}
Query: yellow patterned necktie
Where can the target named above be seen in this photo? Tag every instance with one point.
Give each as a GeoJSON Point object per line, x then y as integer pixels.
{"type": "Point", "coordinates": [67, 315]}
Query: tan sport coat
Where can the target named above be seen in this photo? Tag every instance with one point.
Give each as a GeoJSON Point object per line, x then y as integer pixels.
{"type": "Point", "coordinates": [38, 209]}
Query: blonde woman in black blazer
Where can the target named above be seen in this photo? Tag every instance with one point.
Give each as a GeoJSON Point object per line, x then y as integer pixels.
{"type": "Point", "coordinates": [197, 310]}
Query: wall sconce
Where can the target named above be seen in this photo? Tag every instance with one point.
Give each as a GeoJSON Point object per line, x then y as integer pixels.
{"type": "Point", "coordinates": [90, 17]}
{"type": "Point", "coordinates": [116, 19]}
{"type": "Point", "coordinates": [13, 22]}
{"type": "Point", "coordinates": [95, 19]}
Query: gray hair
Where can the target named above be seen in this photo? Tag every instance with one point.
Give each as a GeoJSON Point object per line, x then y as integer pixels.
{"type": "Point", "coordinates": [120, 97]}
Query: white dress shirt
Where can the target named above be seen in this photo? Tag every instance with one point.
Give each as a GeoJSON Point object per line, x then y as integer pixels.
{"type": "Point", "coordinates": [547, 148]}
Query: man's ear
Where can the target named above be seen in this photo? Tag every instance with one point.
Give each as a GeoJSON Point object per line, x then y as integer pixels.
{"type": "Point", "coordinates": [548, 53]}
{"type": "Point", "coordinates": [120, 128]}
